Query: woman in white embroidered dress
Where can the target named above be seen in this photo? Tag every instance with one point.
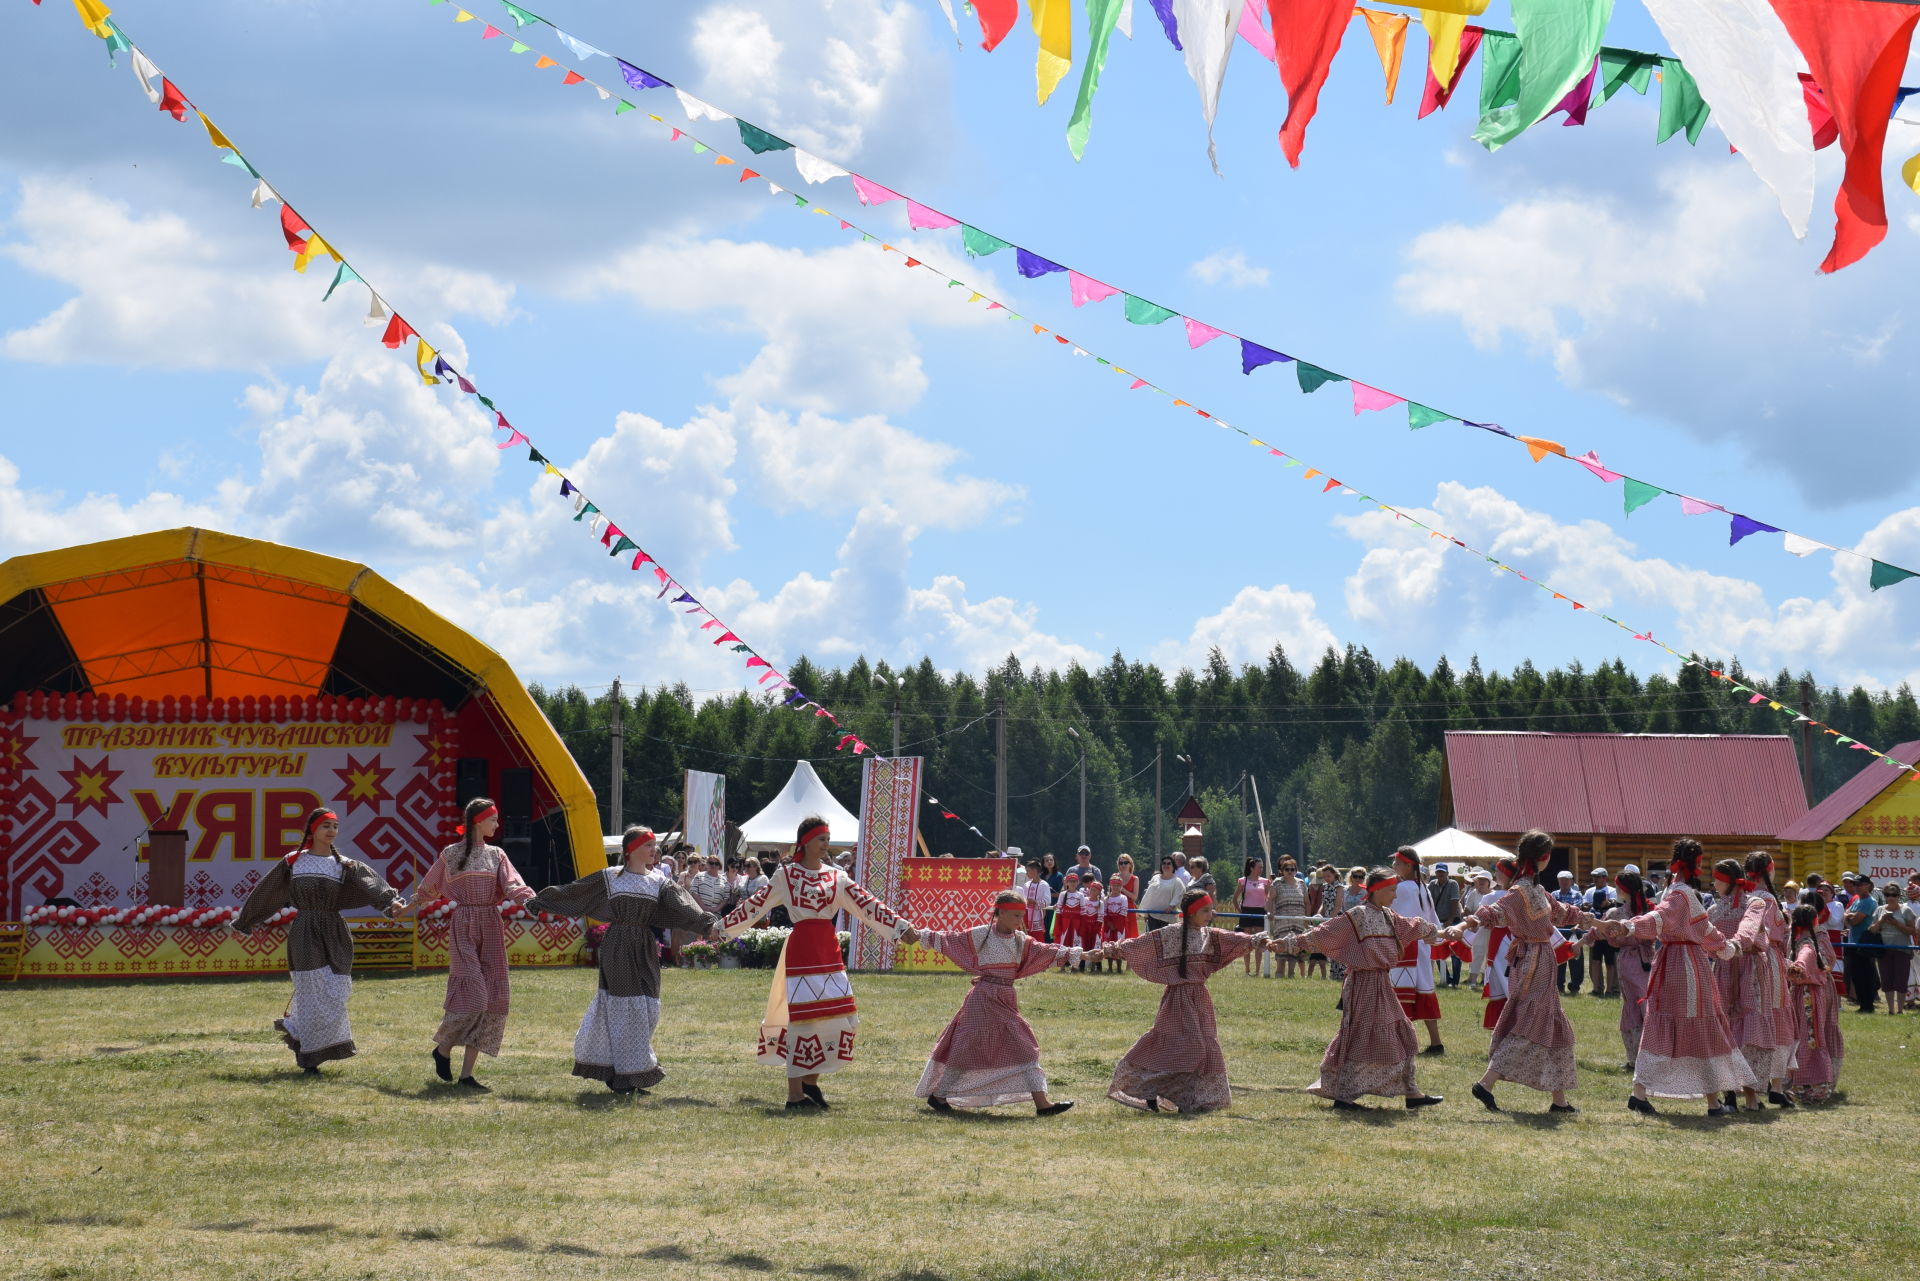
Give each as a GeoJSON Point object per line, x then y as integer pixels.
{"type": "Point", "coordinates": [810, 1020]}
{"type": "Point", "coordinates": [320, 882]}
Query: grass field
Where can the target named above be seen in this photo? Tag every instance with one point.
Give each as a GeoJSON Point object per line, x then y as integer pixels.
{"type": "Point", "coordinates": [158, 1130]}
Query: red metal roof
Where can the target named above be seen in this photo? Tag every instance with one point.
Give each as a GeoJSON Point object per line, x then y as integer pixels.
{"type": "Point", "coordinates": [1818, 823]}
{"type": "Point", "coordinates": [1191, 811]}
{"type": "Point", "coordinates": [1639, 784]}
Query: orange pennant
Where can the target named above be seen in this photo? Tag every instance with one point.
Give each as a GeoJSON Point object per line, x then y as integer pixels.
{"type": "Point", "coordinates": [543, 62]}
{"type": "Point", "coordinates": [1541, 448]}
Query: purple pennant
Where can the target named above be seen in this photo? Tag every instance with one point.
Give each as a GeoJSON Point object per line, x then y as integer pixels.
{"type": "Point", "coordinates": [1253, 355]}
{"type": "Point", "coordinates": [465, 385]}
{"type": "Point", "coordinates": [1163, 10]}
{"type": "Point", "coordinates": [1580, 97]}
{"type": "Point", "coordinates": [1495, 428]}
{"type": "Point", "coordinates": [682, 598]}
{"type": "Point", "coordinates": [1032, 265]}
{"type": "Point", "coordinates": [566, 487]}
{"type": "Point", "coordinates": [638, 79]}
{"type": "Point", "coordinates": [442, 368]}
{"type": "Point", "coordinates": [1744, 525]}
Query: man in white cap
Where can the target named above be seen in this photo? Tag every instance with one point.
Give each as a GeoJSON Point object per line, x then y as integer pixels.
{"type": "Point", "coordinates": [1601, 896]}
{"type": "Point", "coordinates": [1575, 969]}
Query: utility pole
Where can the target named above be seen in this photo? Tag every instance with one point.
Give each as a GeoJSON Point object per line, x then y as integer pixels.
{"type": "Point", "coordinates": [1806, 739]}
{"type": "Point", "coordinates": [896, 722]}
{"type": "Point", "coordinates": [1159, 810]}
{"type": "Point", "coordinates": [1075, 735]}
{"type": "Point", "coordinates": [1243, 818]}
{"type": "Point", "coordinates": [1000, 774]}
{"type": "Point", "coordinates": [619, 734]}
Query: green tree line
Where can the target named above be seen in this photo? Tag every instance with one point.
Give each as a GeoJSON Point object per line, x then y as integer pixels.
{"type": "Point", "coordinates": [1345, 755]}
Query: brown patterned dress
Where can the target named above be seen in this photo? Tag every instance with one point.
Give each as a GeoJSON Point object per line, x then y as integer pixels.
{"type": "Point", "coordinates": [477, 985]}
{"type": "Point", "coordinates": [319, 945]}
{"type": "Point", "coordinates": [615, 1041]}
{"type": "Point", "coordinates": [1178, 1061]}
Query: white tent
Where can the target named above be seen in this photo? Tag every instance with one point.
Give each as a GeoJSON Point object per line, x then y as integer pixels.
{"type": "Point", "coordinates": [1456, 846]}
{"type": "Point", "coordinates": [804, 794]}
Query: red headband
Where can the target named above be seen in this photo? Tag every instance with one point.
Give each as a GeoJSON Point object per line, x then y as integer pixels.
{"type": "Point", "coordinates": [481, 817]}
{"type": "Point", "coordinates": [1205, 900]}
{"type": "Point", "coordinates": [324, 816]}
{"type": "Point", "coordinates": [1411, 860]}
{"type": "Point", "coordinates": [636, 840]}
{"type": "Point", "coordinates": [807, 834]}
{"type": "Point", "coordinates": [1385, 880]}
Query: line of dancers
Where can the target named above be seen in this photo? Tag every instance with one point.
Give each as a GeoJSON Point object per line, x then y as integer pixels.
{"type": "Point", "coordinates": [1734, 1003]}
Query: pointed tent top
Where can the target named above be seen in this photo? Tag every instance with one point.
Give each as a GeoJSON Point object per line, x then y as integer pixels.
{"type": "Point", "coordinates": [804, 794]}
{"type": "Point", "coordinates": [1191, 812]}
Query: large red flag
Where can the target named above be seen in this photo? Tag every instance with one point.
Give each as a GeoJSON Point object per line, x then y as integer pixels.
{"type": "Point", "coordinates": [1856, 50]}
{"type": "Point", "coordinates": [1306, 35]}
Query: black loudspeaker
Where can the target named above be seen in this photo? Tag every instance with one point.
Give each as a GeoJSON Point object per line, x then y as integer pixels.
{"type": "Point", "coordinates": [516, 801]}
{"type": "Point", "coordinates": [471, 779]}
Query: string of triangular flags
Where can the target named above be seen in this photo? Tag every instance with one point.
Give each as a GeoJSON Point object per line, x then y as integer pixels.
{"type": "Point", "coordinates": [434, 369]}
{"type": "Point", "coordinates": [947, 812]}
{"type": "Point", "coordinates": [1742, 63]}
{"type": "Point", "coordinates": [1629, 68]}
{"type": "Point", "coordinates": [308, 245]}
{"type": "Point", "coordinates": [976, 295]}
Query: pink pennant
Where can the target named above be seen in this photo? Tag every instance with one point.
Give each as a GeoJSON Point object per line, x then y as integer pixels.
{"type": "Point", "coordinates": [1255, 33]}
{"type": "Point", "coordinates": [612, 532]}
{"type": "Point", "coordinates": [516, 439]}
{"type": "Point", "coordinates": [1086, 289]}
{"type": "Point", "coordinates": [1137, 384]}
{"type": "Point", "coordinates": [1696, 506]}
{"type": "Point", "coordinates": [640, 558]}
{"type": "Point", "coordinates": [1757, 698]}
{"type": "Point", "coordinates": [1591, 461]}
{"type": "Point", "coordinates": [1367, 398]}
{"type": "Point", "coordinates": [660, 573]}
{"type": "Point", "coordinates": [1199, 335]}
{"type": "Point", "coordinates": [872, 193]}
{"type": "Point", "coordinates": [728, 637]}
{"type": "Point", "coordinates": [757, 661]}
{"type": "Point", "coordinates": [921, 218]}
{"type": "Point", "coordinates": [711, 622]}
{"type": "Point", "coordinates": [490, 32]}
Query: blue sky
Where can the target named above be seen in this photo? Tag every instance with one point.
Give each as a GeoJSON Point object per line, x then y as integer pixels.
{"type": "Point", "coordinates": [839, 455]}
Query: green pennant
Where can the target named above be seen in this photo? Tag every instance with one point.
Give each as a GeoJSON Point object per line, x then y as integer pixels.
{"type": "Point", "coordinates": [624, 544]}
{"type": "Point", "coordinates": [585, 511]}
{"type": "Point", "coordinates": [340, 276]}
{"type": "Point", "coordinates": [1625, 69]}
{"type": "Point", "coordinates": [1419, 416]}
{"type": "Point", "coordinates": [623, 108]}
{"type": "Point", "coordinates": [799, 199]}
{"type": "Point", "coordinates": [239, 161]}
{"type": "Point", "coordinates": [1313, 378]}
{"type": "Point", "coordinates": [1141, 312]}
{"type": "Point", "coordinates": [743, 649]}
{"type": "Point", "coordinates": [758, 140]}
{"type": "Point", "coordinates": [535, 456]}
{"type": "Point", "coordinates": [520, 16]}
{"type": "Point", "coordinates": [1499, 71]}
{"type": "Point", "coordinates": [1639, 493]}
{"type": "Point", "coordinates": [488, 403]}
{"type": "Point", "coordinates": [1885, 575]}
{"type": "Point", "coordinates": [516, 47]}
{"type": "Point", "coordinates": [979, 244]}
{"type": "Point", "coordinates": [1681, 106]}
{"type": "Point", "coordinates": [700, 148]}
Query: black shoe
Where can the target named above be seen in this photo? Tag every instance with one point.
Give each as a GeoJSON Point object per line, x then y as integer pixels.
{"type": "Point", "coordinates": [1779, 1100]}
{"type": "Point", "coordinates": [468, 1083]}
{"type": "Point", "coordinates": [1485, 1096]}
{"type": "Point", "coordinates": [1719, 1110]}
{"type": "Point", "coordinates": [1435, 1048]}
{"type": "Point", "coordinates": [621, 1090]}
{"type": "Point", "coordinates": [442, 1065]}
{"type": "Point", "coordinates": [801, 1103]}
{"type": "Point", "coordinates": [1054, 1109]}
{"type": "Point", "coordinates": [1561, 1107]}
{"type": "Point", "coordinates": [938, 1104]}
{"type": "Point", "coordinates": [1341, 1105]}
{"type": "Point", "coordinates": [311, 1071]}
{"type": "Point", "coordinates": [813, 1092]}
{"type": "Point", "coordinates": [1153, 1103]}
{"type": "Point", "coordinates": [1425, 1100]}
{"type": "Point", "coordinates": [1637, 1104]}
{"type": "Point", "coordinates": [1730, 1101]}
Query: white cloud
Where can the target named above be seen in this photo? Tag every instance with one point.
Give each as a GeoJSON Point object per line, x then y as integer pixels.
{"type": "Point", "coordinates": [1693, 304]}
{"type": "Point", "coordinates": [1251, 624]}
{"type": "Point", "coordinates": [154, 290]}
{"type": "Point", "coordinates": [836, 324]}
{"type": "Point", "coordinates": [1411, 586]}
{"type": "Point", "coordinates": [1228, 267]}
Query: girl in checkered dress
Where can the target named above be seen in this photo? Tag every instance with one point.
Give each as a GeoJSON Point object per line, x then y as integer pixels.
{"type": "Point", "coordinates": [987, 1055]}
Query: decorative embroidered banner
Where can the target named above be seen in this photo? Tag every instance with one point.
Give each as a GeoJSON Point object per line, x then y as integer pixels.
{"type": "Point", "coordinates": [889, 828]}
{"type": "Point", "coordinates": [949, 894]}
{"type": "Point", "coordinates": [704, 802]}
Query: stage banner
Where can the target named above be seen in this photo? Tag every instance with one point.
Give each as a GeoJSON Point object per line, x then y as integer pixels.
{"type": "Point", "coordinates": [704, 802]}
{"type": "Point", "coordinates": [1889, 862]}
{"type": "Point", "coordinates": [78, 796]}
{"type": "Point", "coordinates": [949, 894]}
{"type": "Point", "coordinates": [889, 825]}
